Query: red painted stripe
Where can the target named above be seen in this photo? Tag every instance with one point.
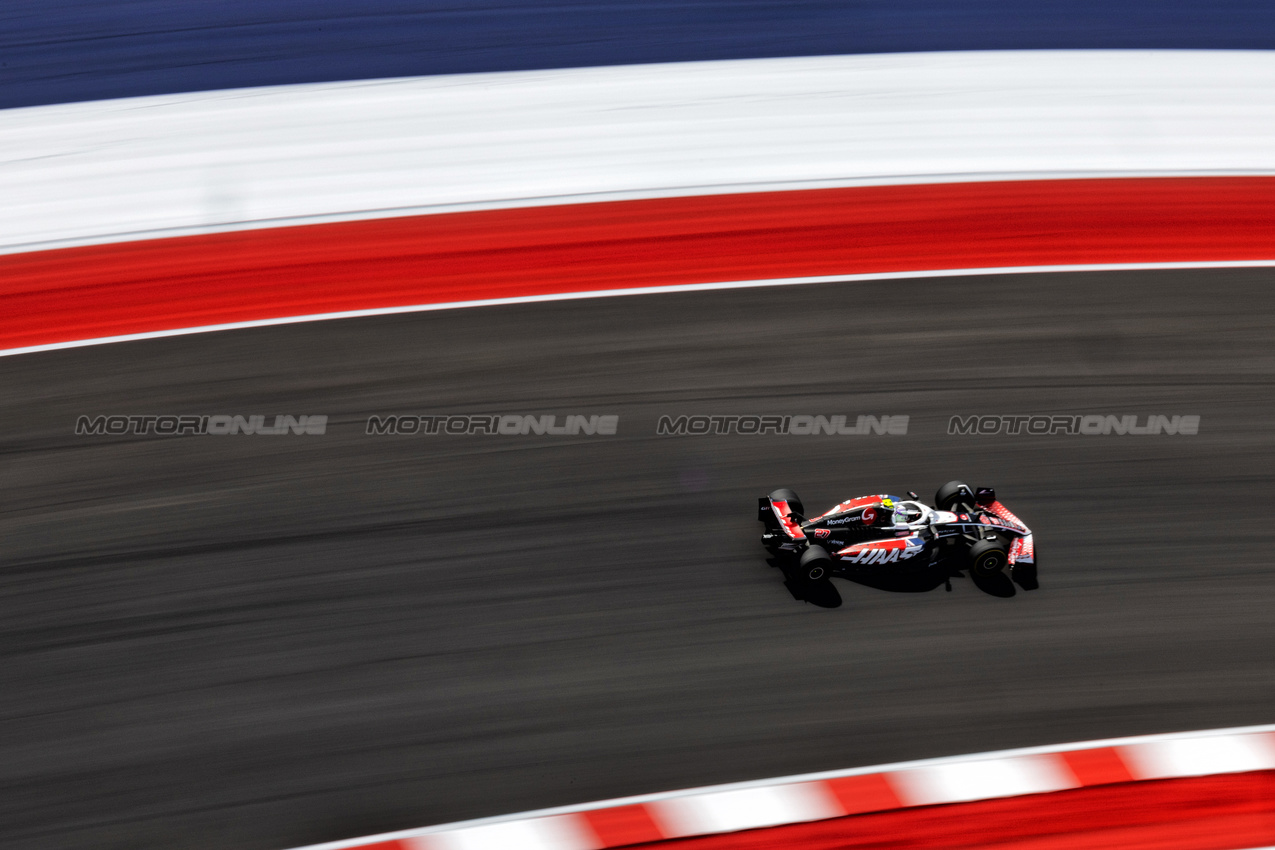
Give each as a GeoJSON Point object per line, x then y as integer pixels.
{"type": "Point", "coordinates": [1204, 813]}
{"type": "Point", "coordinates": [1099, 766]}
{"type": "Point", "coordinates": [621, 825]}
{"type": "Point", "coordinates": [869, 792]}
{"type": "Point", "coordinates": [84, 293]}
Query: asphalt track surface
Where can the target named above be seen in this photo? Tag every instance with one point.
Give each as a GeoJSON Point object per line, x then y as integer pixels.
{"type": "Point", "coordinates": [259, 642]}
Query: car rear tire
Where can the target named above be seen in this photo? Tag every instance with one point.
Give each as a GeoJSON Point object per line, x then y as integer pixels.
{"type": "Point", "coordinates": [988, 558]}
{"type": "Point", "coordinates": [815, 564]}
{"type": "Point", "coordinates": [783, 494]}
{"type": "Point", "coordinates": [952, 494]}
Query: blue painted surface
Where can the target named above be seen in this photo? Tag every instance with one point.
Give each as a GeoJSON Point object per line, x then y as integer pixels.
{"type": "Point", "coordinates": [54, 51]}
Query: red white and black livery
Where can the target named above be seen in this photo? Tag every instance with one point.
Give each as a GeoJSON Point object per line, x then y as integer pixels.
{"type": "Point", "coordinates": [966, 529]}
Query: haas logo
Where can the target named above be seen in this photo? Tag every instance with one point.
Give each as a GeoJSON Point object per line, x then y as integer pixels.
{"type": "Point", "coordinates": [887, 554]}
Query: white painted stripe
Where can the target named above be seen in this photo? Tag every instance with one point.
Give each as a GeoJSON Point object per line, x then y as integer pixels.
{"type": "Point", "coordinates": [599, 197]}
{"type": "Point", "coordinates": [125, 169]}
{"type": "Point", "coordinates": [642, 290]}
{"type": "Point", "coordinates": [747, 808]}
{"type": "Point", "coordinates": [563, 832]}
{"type": "Point", "coordinates": [1200, 756]}
{"type": "Point", "coordinates": [981, 779]}
{"type": "Point", "coordinates": [645, 799]}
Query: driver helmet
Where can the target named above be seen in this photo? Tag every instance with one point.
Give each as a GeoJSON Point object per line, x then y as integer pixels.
{"type": "Point", "coordinates": [905, 513]}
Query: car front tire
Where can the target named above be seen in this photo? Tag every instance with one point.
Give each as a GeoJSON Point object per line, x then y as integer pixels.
{"type": "Point", "coordinates": [988, 558]}
{"type": "Point", "coordinates": [952, 494]}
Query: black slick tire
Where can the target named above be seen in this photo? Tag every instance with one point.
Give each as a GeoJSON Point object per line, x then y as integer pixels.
{"type": "Point", "coordinates": [952, 494]}
{"type": "Point", "coordinates": [815, 564]}
{"type": "Point", "coordinates": [988, 558]}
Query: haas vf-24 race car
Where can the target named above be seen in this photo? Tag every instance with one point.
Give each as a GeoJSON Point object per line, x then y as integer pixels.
{"type": "Point", "coordinates": [966, 529]}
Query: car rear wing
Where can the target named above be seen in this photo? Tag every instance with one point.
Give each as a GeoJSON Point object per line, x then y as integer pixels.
{"type": "Point", "coordinates": [765, 513]}
{"type": "Point", "coordinates": [779, 516]}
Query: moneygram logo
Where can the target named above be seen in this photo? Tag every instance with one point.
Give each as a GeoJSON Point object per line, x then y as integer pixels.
{"type": "Point", "coordinates": [218, 424]}
{"type": "Point", "coordinates": [800, 425]}
{"type": "Point", "coordinates": [1088, 425]}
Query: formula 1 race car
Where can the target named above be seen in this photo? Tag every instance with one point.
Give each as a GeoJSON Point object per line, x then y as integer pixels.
{"type": "Point", "coordinates": [966, 529]}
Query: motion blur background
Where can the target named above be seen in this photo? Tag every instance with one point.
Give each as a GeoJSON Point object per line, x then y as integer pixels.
{"type": "Point", "coordinates": [267, 641]}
